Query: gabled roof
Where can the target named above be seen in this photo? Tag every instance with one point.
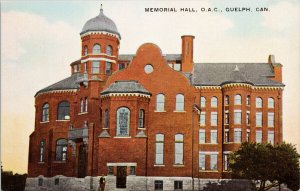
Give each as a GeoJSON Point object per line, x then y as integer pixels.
{"type": "Point", "coordinates": [216, 74]}
{"type": "Point", "coordinates": [125, 87]}
{"type": "Point", "coordinates": [65, 84]}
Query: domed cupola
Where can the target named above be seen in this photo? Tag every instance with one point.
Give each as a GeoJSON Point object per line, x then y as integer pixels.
{"type": "Point", "coordinates": [100, 23]}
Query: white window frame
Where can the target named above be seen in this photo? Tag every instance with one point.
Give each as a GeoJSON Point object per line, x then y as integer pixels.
{"type": "Point", "coordinates": [214, 120]}
{"type": "Point", "coordinates": [179, 102]}
{"type": "Point", "coordinates": [160, 102]}
{"type": "Point", "coordinates": [237, 99]}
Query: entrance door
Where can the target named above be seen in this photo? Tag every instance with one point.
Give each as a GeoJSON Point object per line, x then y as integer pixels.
{"type": "Point", "coordinates": [82, 161]}
{"type": "Point", "coordinates": [121, 176]}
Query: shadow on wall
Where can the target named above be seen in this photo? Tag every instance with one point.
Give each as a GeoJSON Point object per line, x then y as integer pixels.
{"type": "Point", "coordinates": [12, 182]}
{"type": "Point", "coordinates": [229, 185]}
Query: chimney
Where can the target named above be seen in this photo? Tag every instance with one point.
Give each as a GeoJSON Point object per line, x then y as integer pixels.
{"type": "Point", "coordinates": [187, 62]}
{"type": "Point", "coordinates": [277, 68]}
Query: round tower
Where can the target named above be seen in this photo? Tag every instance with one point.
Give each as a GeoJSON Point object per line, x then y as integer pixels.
{"type": "Point", "coordinates": [100, 47]}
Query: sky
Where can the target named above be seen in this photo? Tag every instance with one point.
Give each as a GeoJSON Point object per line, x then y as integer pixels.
{"type": "Point", "coordinates": [39, 39]}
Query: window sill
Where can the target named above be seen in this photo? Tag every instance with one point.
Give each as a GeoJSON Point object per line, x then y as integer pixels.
{"type": "Point", "coordinates": [175, 111]}
{"type": "Point", "coordinates": [208, 171]}
{"type": "Point", "coordinates": [178, 165]}
{"type": "Point", "coordinates": [202, 125]}
{"type": "Point", "coordinates": [160, 111]}
{"type": "Point", "coordinates": [82, 113]}
{"type": "Point", "coordinates": [44, 122]}
{"type": "Point", "coordinates": [258, 126]}
{"type": "Point", "coordinates": [62, 120]}
{"type": "Point", "coordinates": [142, 128]}
{"type": "Point", "coordinates": [122, 137]}
{"type": "Point", "coordinates": [105, 128]}
{"type": "Point", "coordinates": [159, 165]}
{"type": "Point", "coordinates": [59, 161]}
{"type": "Point", "coordinates": [208, 143]}
{"type": "Point", "coordinates": [41, 162]}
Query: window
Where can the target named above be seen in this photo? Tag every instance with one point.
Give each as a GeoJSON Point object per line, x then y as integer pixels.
{"type": "Point", "coordinates": [201, 136]}
{"type": "Point", "coordinates": [226, 136]}
{"type": "Point", "coordinates": [160, 102]}
{"type": "Point", "coordinates": [238, 99]}
{"type": "Point", "coordinates": [213, 136]}
{"type": "Point", "coordinates": [106, 119]}
{"type": "Point", "coordinates": [132, 170]}
{"type": "Point", "coordinates": [178, 149]}
{"type": "Point", "coordinates": [202, 102]}
{"type": "Point", "coordinates": [86, 104]}
{"type": "Point", "coordinates": [108, 68]}
{"type": "Point", "coordinates": [42, 150]}
{"type": "Point", "coordinates": [248, 135]}
{"type": "Point", "coordinates": [179, 102]}
{"type": "Point", "coordinates": [40, 181]}
{"type": "Point", "coordinates": [271, 137]}
{"type": "Point", "coordinates": [61, 150]}
{"type": "Point", "coordinates": [45, 115]}
{"type": "Point", "coordinates": [121, 66]}
{"type": "Point", "coordinates": [214, 102]}
{"type": "Point", "coordinates": [63, 111]}
{"type": "Point", "coordinates": [226, 118]}
{"type": "Point", "coordinates": [141, 118]}
{"type": "Point", "coordinates": [226, 100]}
{"type": "Point", "coordinates": [159, 149]}
{"type": "Point", "coordinates": [96, 67]}
{"type": "Point", "coordinates": [123, 121]}
{"type": "Point", "coordinates": [237, 135]}
{"type": "Point", "coordinates": [85, 51]}
{"type": "Point", "coordinates": [258, 136]}
{"type": "Point", "coordinates": [178, 185]}
{"type": "Point", "coordinates": [96, 49]}
{"type": "Point", "coordinates": [247, 118]}
{"type": "Point", "coordinates": [110, 170]}
{"type": "Point", "coordinates": [81, 105]}
{"type": "Point", "coordinates": [226, 162]}
{"type": "Point", "coordinates": [201, 162]}
{"type": "Point", "coordinates": [270, 119]}
{"type": "Point", "coordinates": [202, 118]}
{"type": "Point", "coordinates": [85, 67]}
{"type": "Point", "coordinates": [56, 181]}
{"type": "Point", "coordinates": [237, 117]}
{"type": "Point", "coordinates": [258, 102]}
{"type": "Point", "coordinates": [258, 119]}
{"type": "Point", "coordinates": [213, 118]}
{"type": "Point", "coordinates": [213, 162]}
{"type": "Point", "coordinates": [177, 67]}
{"type": "Point", "coordinates": [75, 68]}
{"type": "Point", "coordinates": [248, 100]}
{"type": "Point", "coordinates": [158, 185]}
{"type": "Point", "coordinates": [270, 102]}
{"type": "Point", "coordinates": [109, 50]}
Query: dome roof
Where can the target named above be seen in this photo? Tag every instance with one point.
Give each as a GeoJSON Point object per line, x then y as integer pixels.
{"type": "Point", "coordinates": [100, 23]}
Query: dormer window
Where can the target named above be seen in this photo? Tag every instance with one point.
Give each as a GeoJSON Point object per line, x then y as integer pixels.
{"type": "Point", "coordinates": [96, 49]}
{"type": "Point", "coordinates": [109, 50]}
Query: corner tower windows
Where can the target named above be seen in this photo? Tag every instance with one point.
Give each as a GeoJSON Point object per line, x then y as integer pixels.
{"type": "Point", "coordinates": [141, 118]}
{"type": "Point", "coordinates": [238, 99]}
{"type": "Point", "coordinates": [123, 121]}
{"type": "Point", "coordinates": [96, 67]}
{"type": "Point", "coordinates": [85, 51]}
{"type": "Point", "coordinates": [258, 102]}
{"type": "Point", "coordinates": [63, 111]}
{"type": "Point", "coordinates": [109, 50]}
{"type": "Point", "coordinates": [214, 102]}
{"type": "Point", "coordinates": [45, 114]}
{"type": "Point", "coordinates": [96, 49]}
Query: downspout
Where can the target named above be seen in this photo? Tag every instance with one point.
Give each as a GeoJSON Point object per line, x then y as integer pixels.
{"type": "Point", "coordinates": [147, 145]}
{"type": "Point", "coordinates": [193, 144]}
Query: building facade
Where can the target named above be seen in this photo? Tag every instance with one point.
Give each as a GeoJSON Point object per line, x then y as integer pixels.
{"type": "Point", "coordinates": [149, 114]}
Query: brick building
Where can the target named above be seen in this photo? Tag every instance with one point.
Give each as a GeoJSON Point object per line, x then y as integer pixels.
{"type": "Point", "coordinates": [151, 115]}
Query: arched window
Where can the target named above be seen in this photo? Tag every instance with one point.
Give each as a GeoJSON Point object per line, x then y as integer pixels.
{"type": "Point", "coordinates": [160, 102]}
{"type": "Point", "coordinates": [45, 114]}
{"type": "Point", "coordinates": [270, 102]}
{"type": "Point", "coordinates": [159, 149]}
{"type": "Point", "coordinates": [226, 100]}
{"type": "Point", "coordinates": [96, 49]}
{"type": "Point", "coordinates": [109, 50]}
{"type": "Point", "coordinates": [214, 102]}
{"type": "Point", "coordinates": [81, 105]}
{"type": "Point", "coordinates": [178, 149]}
{"type": "Point", "coordinates": [86, 104]}
{"type": "Point", "coordinates": [123, 121]}
{"type": "Point", "coordinates": [141, 118]}
{"type": "Point", "coordinates": [258, 102]}
{"type": "Point", "coordinates": [61, 150]}
{"type": "Point", "coordinates": [238, 99]}
{"type": "Point", "coordinates": [248, 100]}
{"type": "Point", "coordinates": [42, 150]}
{"type": "Point", "coordinates": [63, 112]}
{"type": "Point", "coordinates": [106, 119]}
{"type": "Point", "coordinates": [202, 102]}
{"type": "Point", "coordinates": [85, 50]}
{"type": "Point", "coordinates": [179, 102]}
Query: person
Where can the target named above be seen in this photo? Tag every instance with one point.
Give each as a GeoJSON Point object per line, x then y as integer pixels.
{"type": "Point", "coordinates": [102, 183]}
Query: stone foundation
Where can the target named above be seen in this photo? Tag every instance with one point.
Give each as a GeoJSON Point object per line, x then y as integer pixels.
{"type": "Point", "coordinates": [59, 183]}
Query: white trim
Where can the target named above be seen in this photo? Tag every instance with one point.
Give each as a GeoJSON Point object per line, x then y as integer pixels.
{"type": "Point", "coordinates": [159, 165]}
{"type": "Point", "coordinates": [121, 164]}
{"type": "Point", "coordinates": [214, 130]}
{"type": "Point", "coordinates": [237, 110]}
{"type": "Point", "coordinates": [100, 54]}
{"type": "Point", "coordinates": [209, 152]}
{"type": "Point", "coordinates": [176, 111]}
{"type": "Point", "coordinates": [124, 137]}
{"type": "Point", "coordinates": [100, 32]}
{"type": "Point", "coordinates": [226, 130]}
{"type": "Point", "coordinates": [247, 111]}
{"type": "Point", "coordinates": [203, 112]}
{"type": "Point", "coordinates": [44, 121]}
{"type": "Point", "coordinates": [226, 111]}
{"type": "Point", "coordinates": [57, 91]}
{"type": "Point", "coordinates": [126, 94]}
{"type": "Point", "coordinates": [98, 59]}
{"type": "Point", "coordinates": [208, 87]}
{"type": "Point", "coordinates": [237, 129]}
{"type": "Point", "coordinates": [248, 130]}
{"type": "Point", "coordinates": [82, 113]}
{"type": "Point", "coordinates": [227, 152]}
{"type": "Point", "coordinates": [63, 120]}
{"type": "Point", "coordinates": [202, 130]}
